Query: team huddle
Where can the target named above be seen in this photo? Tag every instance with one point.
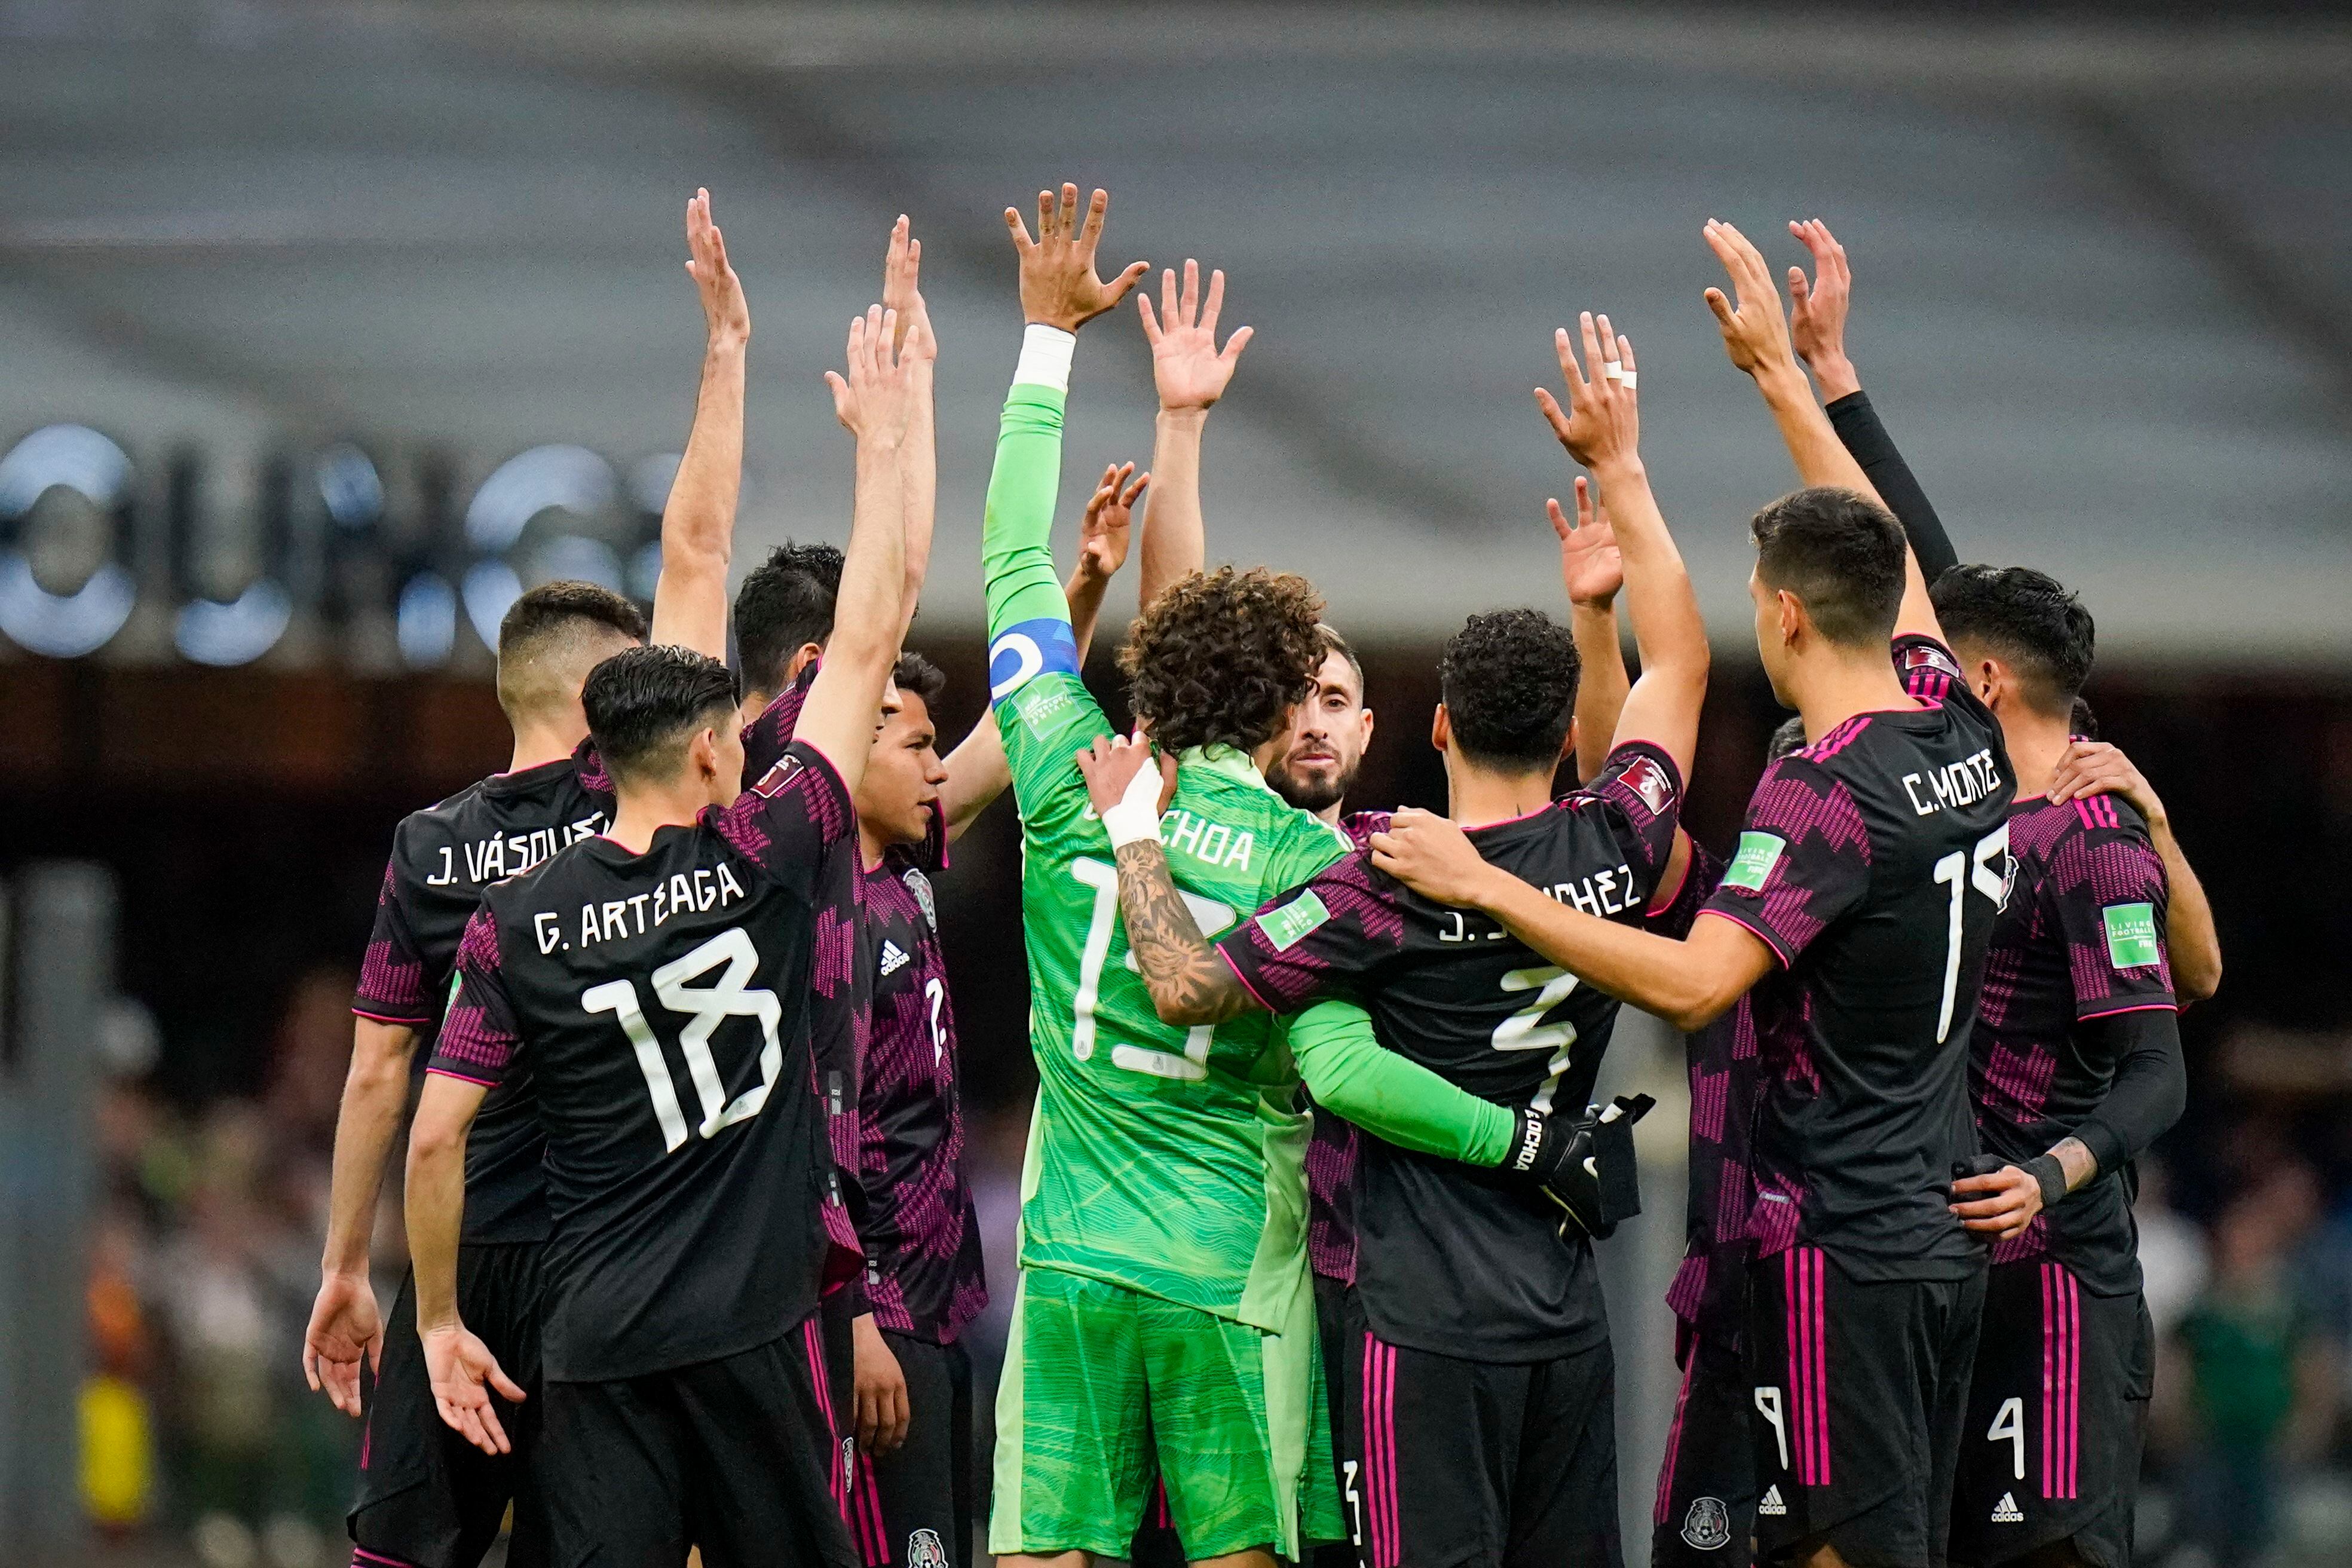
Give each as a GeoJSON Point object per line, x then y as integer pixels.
{"type": "Point", "coordinates": [1315, 1171]}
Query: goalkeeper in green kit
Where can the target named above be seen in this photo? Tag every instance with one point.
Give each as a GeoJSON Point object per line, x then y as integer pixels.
{"type": "Point", "coordinates": [1165, 1322]}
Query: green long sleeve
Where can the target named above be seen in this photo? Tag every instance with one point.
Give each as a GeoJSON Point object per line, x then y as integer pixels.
{"type": "Point", "coordinates": [1351, 1074]}
{"type": "Point", "coordinates": [1017, 548]}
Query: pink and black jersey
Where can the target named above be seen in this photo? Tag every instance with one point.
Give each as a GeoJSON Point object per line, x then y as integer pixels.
{"type": "Point", "coordinates": [2082, 938]}
{"type": "Point", "coordinates": [1331, 1154]}
{"type": "Point", "coordinates": [1709, 1290]}
{"type": "Point", "coordinates": [921, 1239]}
{"type": "Point", "coordinates": [658, 1008]}
{"type": "Point", "coordinates": [1873, 865]}
{"type": "Point", "coordinates": [441, 859]}
{"type": "Point", "coordinates": [766, 737]}
{"type": "Point", "coordinates": [1453, 1259]}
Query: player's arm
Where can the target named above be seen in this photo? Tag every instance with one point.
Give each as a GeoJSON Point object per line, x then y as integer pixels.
{"type": "Point", "coordinates": [1602, 429]}
{"type": "Point", "coordinates": [874, 401]}
{"type": "Point", "coordinates": [1353, 1076]}
{"type": "Point", "coordinates": [476, 1045]}
{"type": "Point", "coordinates": [1191, 373]}
{"type": "Point", "coordinates": [917, 454]}
{"type": "Point", "coordinates": [978, 771]}
{"type": "Point", "coordinates": [1817, 317]}
{"type": "Point", "coordinates": [2096, 767]}
{"type": "Point", "coordinates": [698, 530]}
{"type": "Point", "coordinates": [345, 1325]}
{"type": "Point", "coordinates": [1755, 336]}
{"type": "Point", "coordinates": [1592, 570]}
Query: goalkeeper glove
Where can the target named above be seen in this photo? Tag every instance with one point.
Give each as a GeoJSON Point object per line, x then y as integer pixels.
{"type": "Point", "coordinates": [1584, 1164]}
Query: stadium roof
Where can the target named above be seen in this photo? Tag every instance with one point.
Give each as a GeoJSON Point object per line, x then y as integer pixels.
{"type": "Point", "coordinates": [2099, 266]}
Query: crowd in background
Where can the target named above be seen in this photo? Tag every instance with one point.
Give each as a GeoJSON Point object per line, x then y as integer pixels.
{"type": "Point", "coordinates": [200, 1437]}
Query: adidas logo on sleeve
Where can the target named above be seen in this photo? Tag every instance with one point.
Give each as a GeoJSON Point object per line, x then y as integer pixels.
{"type": "Point", "coordinates": [1769, 1505]}
{"type": "Point", "coordinates": [2006, 1511]}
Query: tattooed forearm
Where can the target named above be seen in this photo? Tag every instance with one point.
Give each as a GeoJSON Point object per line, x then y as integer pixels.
{"type": "Point", "coordinates": [2074, 1158]}
{"type": "Point", "coordinates": [1189, 982]}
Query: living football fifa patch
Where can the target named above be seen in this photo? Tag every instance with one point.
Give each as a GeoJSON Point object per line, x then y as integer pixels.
{"type": "Point", "coordinates": [2131, 935]}
{"type": "Point", "coordinates": [1288, 925]}
{"type": "Point", "coordinates": [1758, 853]}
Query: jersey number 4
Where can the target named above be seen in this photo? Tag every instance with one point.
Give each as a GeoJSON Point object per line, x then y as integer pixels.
{"type": "Point", "coordinates": [703, 1007]}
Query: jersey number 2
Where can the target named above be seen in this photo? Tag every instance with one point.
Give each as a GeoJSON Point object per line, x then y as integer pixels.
{"type": "Point", "coordinates": [703, 1006]}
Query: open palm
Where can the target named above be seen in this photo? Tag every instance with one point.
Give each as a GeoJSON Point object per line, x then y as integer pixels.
{"type": "Point", "coordinates": [1186, 365]}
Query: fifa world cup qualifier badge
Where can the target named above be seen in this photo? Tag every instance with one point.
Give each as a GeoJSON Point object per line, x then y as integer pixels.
{"type": "Point", "coordinates": [1707, 1526]}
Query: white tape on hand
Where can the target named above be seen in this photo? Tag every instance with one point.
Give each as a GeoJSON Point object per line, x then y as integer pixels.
{"type": "Point", "coordinates": [1135, 816]}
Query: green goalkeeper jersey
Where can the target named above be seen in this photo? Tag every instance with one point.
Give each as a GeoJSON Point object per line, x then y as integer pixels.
{"type": "Point", "coordinates": [1164, 1159]}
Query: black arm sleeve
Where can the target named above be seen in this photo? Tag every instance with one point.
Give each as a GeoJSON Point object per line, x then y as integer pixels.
{"type": "Point", "coordinates": [1867, 440]}
{"type": "Point", "coordinates": [2150, 1087]}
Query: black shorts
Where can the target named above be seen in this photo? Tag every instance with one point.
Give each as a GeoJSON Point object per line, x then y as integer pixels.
{"type": "Point", "coordinates": [1470, 1464]}
{"type": "Point", "coordinates": [1859, 1395]}
{"type": "Point", "coordinates": [1156, 1544]}
{"type": "Point", "coordinates": [2057, 1410]}
{"type": "Point", "coordinates": [735, 1457]}
{"type": "Point", "coordinates": [427, 1496]}
{"type": "Point", "coordinates": [1705, 1512]}
{"type": "Point", "coordinates": [913, 1507]}
{"type": "Point", "coordinates": [836, 1325]}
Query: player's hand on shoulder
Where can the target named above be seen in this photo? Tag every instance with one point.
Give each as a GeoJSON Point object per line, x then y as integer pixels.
{"type": "Point", "coordinates": [874, 399]}
{"type": "Point", "coordinates": [1755, 334]}
{"type": "Point", "coordinates": [1118, 768]}
{"type": "Point", "coordinates": [880, 1390]}
{"type": "Point", "coordinates": [1059, 287]}
{"type": "Point", "coordinates": [725, 314]}
{"type": "Point", "coordinates": [1997, 1205]}
{"type": "Point", "coordinates": [1602, 426]}
{"type": "Point", "coordinates": [464, 1374]}
{"type": "Point", "coordinates": [1434, 857]}
{"type": "Point", "coordinates": [344, 1326]}
{"type": "Point", "coordinates": [2097, 767]}
{"type": "Point", "coordinates": [1592, 567]}
{"type": "Point", "coordinates": [1105, 532]}
{"type": "Point", "coordinates": [1187, 367]}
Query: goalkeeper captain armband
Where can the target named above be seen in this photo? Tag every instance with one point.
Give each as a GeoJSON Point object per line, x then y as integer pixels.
{"type": "Point", "coordinates": [1584, 1164]}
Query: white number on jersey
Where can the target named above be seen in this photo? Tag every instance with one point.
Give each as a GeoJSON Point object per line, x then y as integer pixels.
{"type": "Point", "coordinates": [704, 1007]}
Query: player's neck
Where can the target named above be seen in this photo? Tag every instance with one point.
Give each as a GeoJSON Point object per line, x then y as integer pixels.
{"type": "Point", "coordinates": [1475, 796]}
{"type": "Point", "coordinates": [1330, 815]}
{"type": "Point", "coordinates": [644, 810]}
{"type": "Point", "coordinates": [871, 845]}
{"type": "Point", "coordinates": [536, 745]}
{"type": "Point", "coordinates": [1835, 686]}
{"type": "Point", "coordinates": [2036, 742]}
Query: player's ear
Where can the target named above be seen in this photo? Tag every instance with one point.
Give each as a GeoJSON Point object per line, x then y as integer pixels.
{"type": "Point", "coordinates": [802, 657]}
{"type": "Point", "coordinates": [1440, 729]}
{"type": "Point", "coordinates": [1567, 746]}
{"type": "Point", "coordinates": [1793, 618]}
{"type": "Point", "coordinates": [1992, 682]}
{"type": "Point", "coordinates": [1368, 724]}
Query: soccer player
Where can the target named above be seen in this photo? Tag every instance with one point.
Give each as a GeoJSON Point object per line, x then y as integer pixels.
{"type": "Point", "coordinates": [1478, 1340]}
{"type": "Point", "coordinates": [654, 983]}
{"type": "Point", "coordinates": [1164, 1320]}
{"type": "Point", "coordinates": [425, 1497]}
{"type": "Point", "coordinates": [1858, 907]}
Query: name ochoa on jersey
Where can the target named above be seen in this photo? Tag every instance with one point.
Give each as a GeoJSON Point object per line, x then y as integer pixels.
{"type": "Point", "coordinates": [708, 887]}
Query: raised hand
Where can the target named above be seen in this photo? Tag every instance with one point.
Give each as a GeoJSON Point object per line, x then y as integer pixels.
{"type": "Point", "coordinates": [902, 267]}
{"type": "Point", "coordinates": [1818, 307]}
{"type": "Point", "coordinates": [345, 1327]}
{"type": "Point", "coordinates": [1186, 365]}
{"type": "Point", "coordinates": [724, 313]}
{"type": "Point", "coordinates": [1058, 284]}
{"type": "Point", "coordinates": [463, 1373]}
{"type": "Point", "coordinates": [1591, 566]}
{"type": "Point", "coordinates": [875, 400]}
{"type": "Point", "coordinates": [1754, 333]}
{"type": "Point", "coordinates": [1103, 533]}
{"type": "Point", "coordinates": [1603, 425]}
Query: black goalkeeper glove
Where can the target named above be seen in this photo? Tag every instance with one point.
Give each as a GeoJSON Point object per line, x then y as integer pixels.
{"type": "Point", "coordinates": [1584, 1164]}
{"type": "Point", "coordinates": [2047, 1172]}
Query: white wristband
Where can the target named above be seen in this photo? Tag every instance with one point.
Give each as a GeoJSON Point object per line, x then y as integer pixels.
{"type": "Point", "coordinates": [1135, 815]}
{"type": "Point", "coordinates": [1045, 353]}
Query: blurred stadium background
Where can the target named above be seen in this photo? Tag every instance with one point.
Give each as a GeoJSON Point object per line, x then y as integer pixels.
{"type": "Point", "coordinates": [324, 326]}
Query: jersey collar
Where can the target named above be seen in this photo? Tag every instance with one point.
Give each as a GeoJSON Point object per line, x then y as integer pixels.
{"type": "Point", "coordinates": [1220, 758]}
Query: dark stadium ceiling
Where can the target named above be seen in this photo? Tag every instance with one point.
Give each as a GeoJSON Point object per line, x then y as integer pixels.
{"type": "Point", "coordinates": [2099, 270]}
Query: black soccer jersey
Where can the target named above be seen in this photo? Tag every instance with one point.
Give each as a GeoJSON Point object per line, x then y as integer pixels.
{"type": "Point", "coordinates": [2081, 938]}
{"type": "Point", "coordinates": [659, 1005]}
{"type": "Point", "coordinates": [923, 1269]}
{"type": "Point", "coordinates": [1453, 1259]}
{"type": "Point", "coordinates": [1872, 864]}
{"type": "Point", "coordinates": [442, 858]}
{"type": "Point", "coordinates": [1331, 1152]}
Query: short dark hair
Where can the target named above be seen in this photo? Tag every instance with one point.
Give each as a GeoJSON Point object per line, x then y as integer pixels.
{"type": "Point", "coordinates": [644, 704]}
{"type": "Point", "coordinates": [1509, 682]}
{"type": "Point", "coordinates": [2029, 620]}
{"type": "Point", "coordinates": [1839, 552]}
{"type": "Point", "coordinates": [919, 674]}
{"type": "Point", "coordinates": [1220, 657]}
{"type": "Point", "coordinates": [2082, 721]}
{"type": "Point", "coordinates": [1789, 737]}
{"type": "Point", "coordinates": [785, 604]}
{"type": "Point", "coordinates": [549, 638]}
{"type": "Point", "coordinates": [1334, 643]}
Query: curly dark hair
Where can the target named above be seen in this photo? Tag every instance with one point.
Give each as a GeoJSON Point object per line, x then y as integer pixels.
{"type": "Point", "coordinates": [1509, 682]}
{"type": "Point", "coordinates": [1220, 657]}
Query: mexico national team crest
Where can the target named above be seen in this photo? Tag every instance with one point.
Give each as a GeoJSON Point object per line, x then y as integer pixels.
{"type": "Point", "coordinates": [924, 1551]}
{"type": "Point", "coordinates": [1707, 1526]}
{"type": "Point", "coordinates": [849, 1466]}
{"type": "Point", "coordinates": [921, 886]}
